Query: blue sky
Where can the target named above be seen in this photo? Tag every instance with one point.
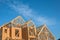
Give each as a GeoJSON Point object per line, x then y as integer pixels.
{"type": "Point", "coordinates": [40, 11]}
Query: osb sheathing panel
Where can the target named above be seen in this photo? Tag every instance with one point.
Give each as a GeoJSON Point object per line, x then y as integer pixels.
{"type": "Point", "coordinates": [25, 33]}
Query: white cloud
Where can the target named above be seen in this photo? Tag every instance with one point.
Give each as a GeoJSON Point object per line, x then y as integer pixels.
{"type": "Point", "coordinates": [46, 20]}
{"type": "Point", "coordinates": [27, 12]}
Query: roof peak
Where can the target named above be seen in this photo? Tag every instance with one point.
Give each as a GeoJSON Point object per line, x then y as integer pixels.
{"type": "Point", "coordinates": [42, 25]}
{"type": "Point", "coordinates": [18, 20]}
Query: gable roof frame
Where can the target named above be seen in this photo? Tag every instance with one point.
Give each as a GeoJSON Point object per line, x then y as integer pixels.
{"type": "Point", "coordinates": [48, 30]}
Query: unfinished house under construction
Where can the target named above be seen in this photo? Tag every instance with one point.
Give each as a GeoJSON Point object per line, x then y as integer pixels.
{"type": "Point", "coordinates": [19, 29]}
